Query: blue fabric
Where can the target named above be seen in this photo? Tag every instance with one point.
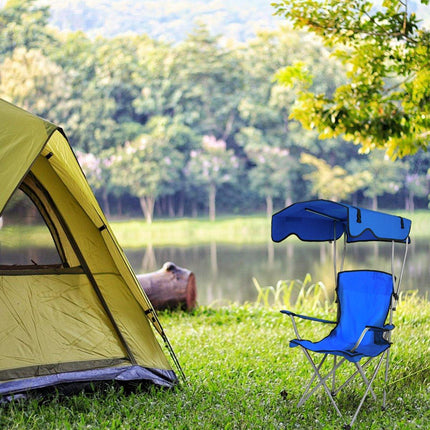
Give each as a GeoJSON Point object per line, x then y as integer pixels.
{"type": "Point", "coordinates": [316, 220]}
{"type": "Point", "coordinates": [364, 299]}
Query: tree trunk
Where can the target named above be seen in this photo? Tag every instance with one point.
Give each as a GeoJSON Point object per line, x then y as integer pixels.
{"type": "Point", "coordinates": [375, 203]}
{"type": "Point", "coordinates": [171, 287]}
{"type": "Point", "coordinates": [171, 206]}
{"type": "Point", "coordinates": [119, 206]}
{"type": "Point", "coordinates": [269, 206]}
{"type": "Point", "coordinates": [181, 206]}
{"type": "Point", "coordinates": [105, 199]}
{"type": "Point", "coordinates": [410, 204]}
{"type": "Point", "coordinates": [212, 199]}
{"type": "Point", "coordinates": [147, 204]}
{"type": "Point", "coordinates": [194, 211]}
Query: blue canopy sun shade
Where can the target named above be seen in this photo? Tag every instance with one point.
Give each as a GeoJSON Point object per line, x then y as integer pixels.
{"type": "Point", "coordinates": [322, 220]}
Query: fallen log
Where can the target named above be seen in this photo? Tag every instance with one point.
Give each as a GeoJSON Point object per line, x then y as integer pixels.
{"type": "Point", "coordinates": [171, 287]}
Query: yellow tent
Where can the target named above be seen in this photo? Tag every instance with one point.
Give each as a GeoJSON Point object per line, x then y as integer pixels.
{"type": "Point", "coordinates": [85, 319]}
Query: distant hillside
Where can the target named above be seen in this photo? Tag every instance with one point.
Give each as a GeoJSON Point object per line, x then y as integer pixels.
{"type": "Point", "coordinates": [167, 19]}
{"type": "Point", "coordinates": [172, 20]}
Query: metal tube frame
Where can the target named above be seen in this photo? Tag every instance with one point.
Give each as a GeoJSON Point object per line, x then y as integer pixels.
{"type": "Point", "coordinates": [360, 368]}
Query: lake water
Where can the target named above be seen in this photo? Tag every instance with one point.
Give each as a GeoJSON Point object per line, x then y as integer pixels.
{"type": "Point", "coordinates": [224, 272]}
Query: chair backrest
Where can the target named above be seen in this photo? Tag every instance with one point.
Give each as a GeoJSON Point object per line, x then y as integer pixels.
{"type": "Point", "coordinates": [364, 300]}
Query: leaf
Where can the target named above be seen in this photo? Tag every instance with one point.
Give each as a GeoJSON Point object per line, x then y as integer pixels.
{"type": "Point", "coordinates": [296, 74]}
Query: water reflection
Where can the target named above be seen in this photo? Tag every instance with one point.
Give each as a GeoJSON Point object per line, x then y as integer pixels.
{"type": "Point", "coordinates": [224, 272]}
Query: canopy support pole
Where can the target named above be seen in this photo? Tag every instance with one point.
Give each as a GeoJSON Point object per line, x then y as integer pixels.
{"type": "Point", "coordinates": [394, 300]}
{"type": "Point", "coordinates": [334, 253]}
{"type": "Point", "coordinates": [343, 252]}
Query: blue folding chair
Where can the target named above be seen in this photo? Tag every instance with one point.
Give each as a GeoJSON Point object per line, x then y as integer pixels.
{"type": "Point", "coordinates": [366, 298]}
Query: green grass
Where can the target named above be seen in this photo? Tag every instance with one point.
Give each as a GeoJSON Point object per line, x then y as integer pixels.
{"type": "Point", "coordinates": [237, 361]}
{"type": "Point", "coordinates": [187, 231]}
{"type": "Point", "coordinates": [136, 233]}
{"type": "Point", "coordinates": [229, 230]}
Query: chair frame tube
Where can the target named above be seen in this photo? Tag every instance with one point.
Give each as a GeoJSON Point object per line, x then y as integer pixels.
{"type": "Point", "coordinates": [359, 368]}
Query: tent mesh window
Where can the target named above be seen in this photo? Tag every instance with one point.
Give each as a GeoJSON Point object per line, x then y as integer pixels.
{"type": "Point", "coordinates": [25, 238]}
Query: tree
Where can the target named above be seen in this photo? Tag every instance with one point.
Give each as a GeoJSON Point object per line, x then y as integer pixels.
{"type": "Point", "coordinates": [98, 173]}
{"type": "Point", "coordinates": [212, 166]}
{"type": "Point", "coordinates": [416, 186]}
{"type": "Point", "coordinates": [417, 179]}
{"type": "Point", "coordinates": [333, 182]}
{"type": "Point", "coordinates": [31, 80]}
{"type": "Point", "coordinates": [386, 101]}
{"type": "Point", "coordinates": [149, 166]}
{"type": "Point", "coordinates": [270, 174]}
{"type": "Point", "coordinates": [156, 77]}
{"type": "Point", "coordinates": [24, 24]}
{"type": "Point", "coordinates": [384, 176]}
{"type": "Point", "coordinates": [210, 85]}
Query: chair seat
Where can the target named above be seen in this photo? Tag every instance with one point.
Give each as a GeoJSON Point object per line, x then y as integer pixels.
{"type": "Point", "coordinates": [342, 348]}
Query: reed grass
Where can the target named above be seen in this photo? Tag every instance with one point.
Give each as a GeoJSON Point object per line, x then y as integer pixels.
{"type": "Point", "coordinates": [294, 294]}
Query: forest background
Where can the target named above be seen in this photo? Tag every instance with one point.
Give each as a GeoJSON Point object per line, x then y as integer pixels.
{"type": "Point", "coordinates": [176, 111]}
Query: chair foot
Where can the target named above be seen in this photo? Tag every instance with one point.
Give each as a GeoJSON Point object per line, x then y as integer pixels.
{"type": "Point", "coordinates": [284, 394]}
{"type": "Point", "coordinates": [347, 426]}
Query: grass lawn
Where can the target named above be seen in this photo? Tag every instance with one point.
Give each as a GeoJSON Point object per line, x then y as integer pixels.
{"type": "Point", "coordinates": [237, 361]}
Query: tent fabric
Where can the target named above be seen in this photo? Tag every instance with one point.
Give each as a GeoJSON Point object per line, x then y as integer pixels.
{"type": "Point", "coordinates": [356, 290]}
{"type": "Point", "coordinates": [24, 136]}
{"type": "Point", "coordinates": [324, 220]}
{"type": "Point", "coordinates": [88, 315]}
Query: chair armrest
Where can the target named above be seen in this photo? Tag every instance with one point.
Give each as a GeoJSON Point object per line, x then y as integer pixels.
{"type": "Point", "coordinates": [387, 327]}
{"type": "Point", "coordinates": [292, 314]}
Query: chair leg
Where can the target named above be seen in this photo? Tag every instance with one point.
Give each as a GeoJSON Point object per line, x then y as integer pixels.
{"type": "Point", "coordinates": [387, 365]}
{"type": "Point", "coordinates": [367, 390]}
{"type": "Point", "coordinates": [322, 381]}
{"type": "Point", "coordinates": [305, 396]}
{"type": "Point", "coordinates": [333, 382]}
{"type": "Point", "coordinates": [351, 377]}
{"type": "Point", "coordinates": [366, 381]}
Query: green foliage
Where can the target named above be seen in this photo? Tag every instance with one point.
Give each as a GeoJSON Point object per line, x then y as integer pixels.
{"type": "Point", "coordinates": [385, 101]}
{"type": "Point", "coordinates": [106, 92]}
{"type": "Point", "coordinates": [334, 182]}
{"type": "Point", "coordinates": [23, 23]}
{"type": "Point", "coordinates": [151, 165]}
{"type": "Point", "coordinates": [212, 166]}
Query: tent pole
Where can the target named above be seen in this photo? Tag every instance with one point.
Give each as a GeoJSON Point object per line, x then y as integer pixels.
{"type": "Point", "coordinates": [154, 318]}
